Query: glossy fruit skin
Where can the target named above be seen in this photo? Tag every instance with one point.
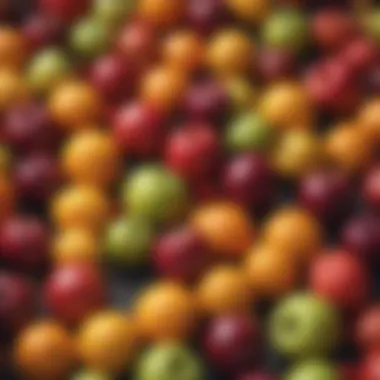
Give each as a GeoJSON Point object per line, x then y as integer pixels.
{"type": "Point", "coordinates": [367, 329]}
{"type": "Point", "coordinates": [295, 232]}
{"type": "Point", "coordinates": [91, 158]}
{"type": "Point", "coordinates": [224, 290]}
{"type": "Point", "coordinates": [44, 350]}
{"type": "Point", "coordinates": [103, 333]}
{"type": "Point", "coordinates": [161, 13]}
{"type": "Point", "coordinates": [341, 279]}
{"type": "Point", "coordinates": [248, 179]}
{"type": "Point", "coordinates": [181, 255]}
{"type": "Point", "coordinates": [286, 29]}
{"type": "Point", "coordinates": [37, 177]}
{"type": "Point", "coordinates": [158, 363]}
{"type": "Point", "coordinates": [205, 16]}
{"type": "Point", "coordinates": [164, 312]}
{"type": "Point", "coordinates": [206, 101]}
{"type": "Point", "coordinates": [270, 272]}
{"type": "Point", "coordinates": [248, 132]}
{"type": "Point", "coordinates": [328, 194]}
{"type": "Point", "coordinates": [80, 207]}
{"type": "Point", "coordinates": [370, 368]}
{"type": "Point", "coordinates": [231, 343]}
{"type": "Point", "coordinates": [128, 241]}
{"type": "Point", "coordinates": [28, 128]}
{"type": "Point", "coordinates": [139, 129]}
{"type": "Point", "coordinates": [313, 370]}
{"type": "Point", "coordinates": [17, 305]}
{"type": "Point", "coordinates": [24, 242]}
{"type": "Point", "coordinates": [73, 292]}
{"type": "Point", "coordinates": [193, 151]}
{"type": "Point", "coordinates": [371, 187]}
{"type": "Point", "coordinates": [215, 220]}
{"type": "Point", "coordinates": [360, 235]}
{"type": "Point", "coordinates": [314, 326]}
{"type": "Point", "coordinates": [113, 77]}
{"type": "Point", "coordinates": [67, 10]}
{"type": "Point", "coordinates": [152, 191]}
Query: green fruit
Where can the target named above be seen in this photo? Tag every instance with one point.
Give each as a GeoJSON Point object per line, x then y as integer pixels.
{"type": "Point", "coordinates": [47, 69]}
{"type": "Point", "coordinates": [90, 37]}
{"type": "Point", "coordinates": [86, 375]}
{"type": "Point", "coordinates": [112, 12]}
{"type": "Point", "coordinates": [313, 370]}
{"type": "Point", "coordinates": [169, 361]}
{"type": "Point", "coordinates": [249, 132]}
{"type": "Point", "coordinates": [155, 193]}
{"type": "Point", "coordinates": [372, 23]}
{"type": "Point", "coordinates": [286, 29]}
{"type": "Point", "coordinates": [304, 326]}
{"type": "Point", "coordinates": [128, 240]}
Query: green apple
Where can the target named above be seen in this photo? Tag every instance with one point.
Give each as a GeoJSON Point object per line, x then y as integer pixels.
{"type": "Point", "coordinates": [155, 193]}
{"type": "Point", "coordinates": [169, 361]}
{"type": "Point", "coordinates": [313, 370]}
{"type": "Point", "coordinates": [89, 375]}
{"type": "Point", "coordinates": [286, 29]}
{"type": "Point", "coordinates": [112, 12]}
{"type": "Point", "coordinates": [128, 240]}
{"type": "Point", "coordinates": [248, 132]}
{"type": "Point", "coordinates": [304, 326]}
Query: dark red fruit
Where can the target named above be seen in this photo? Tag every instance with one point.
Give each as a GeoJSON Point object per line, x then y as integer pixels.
{"type": "Point", "coordinates": [232, 343]}
{"type": "Point", "coordinates": [371, 187]}
{"type": "Point", "coordinates": [37, 177]}
{"type": "Point", "coordinates": [113, 77]}
{"type": "Point", "coordinates": [348, 372]}
{"type": "Point", "coordinates": [340, 278]}
{"type": "Point", "coordinates": [139, 129]}
{"type": "Point", "coordinates": [66, 10]}
{"type": "Point", "coordinates": [24, 243]}
{"type": "Point", "coordinates": [28, 128]}
{"type": "Point", "coordinates": [370, 367]}
{"type": "Point", "coordinates": [368, 329]}
{"type": "Point", "coordinates": [206, 101]}
{"type": "Point", "coordinates": [73, 292]}
{"type": "Point", "coordinates": [327, 194]}
{"type": "Point", "coordinates": [181, 255]}
{"type": "Point", "coordinates": [361, 235]}
{"type": "Point", "coordinates": [257, 375]}
{"type": "Point", "coordinates": [248, 179]}
{"type": "Point", "coordinates": [193, 151]}
{"type": "Point", "coordinates": [274, 64]}
{"type": "Point", "coordinates": [16, 303]}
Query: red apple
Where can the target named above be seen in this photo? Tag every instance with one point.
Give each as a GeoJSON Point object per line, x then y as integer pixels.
{"type": "Point", "coordinates": [66, 10]}
{"type": "Point", "coordinates": [368, 328]}
{"type": "Point", "coordinates": [370, 367]}
{"type": "Point", "coordinates": [371, 187]}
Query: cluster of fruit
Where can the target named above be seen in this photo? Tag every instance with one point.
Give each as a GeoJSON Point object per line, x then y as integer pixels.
{"type": "Point", "coordinates": [171, 136]}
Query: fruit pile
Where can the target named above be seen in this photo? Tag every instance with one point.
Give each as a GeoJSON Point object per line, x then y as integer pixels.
{"type": "Point", "coordinates": [224, 153]}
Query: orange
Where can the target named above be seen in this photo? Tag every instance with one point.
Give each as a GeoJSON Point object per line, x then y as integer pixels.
{"type": "Point", "coordinates": [161, 12]}
{"type": "Point", "coordinates": [12, 48]}
{"type": "Point", "coordinates": [249, 10]}
{"type": "Point", "coordinates": [13, 89]}
{"type": "Point", "coordinates": [369, 118]}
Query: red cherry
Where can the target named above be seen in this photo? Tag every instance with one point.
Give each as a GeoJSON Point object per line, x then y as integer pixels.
{"type": "Point", "coordinates": [24, 243]}
{"type": "Point", "coordinates": [340, 278]}
{"type": "Point", "coordinates": [73, 292]}
{"type": "Point", "coordinates": [66, 10]}
{"type": "Point", "coordinates": [368, 328]}
{"type": "Point", "coordinates": [232, 343]}
{"type": "Point", "coordinates": [193, 151]}
{"type": "Point", "coordinates": [181, 255]}
{"type": "Point", "coordinates": [139, 129]}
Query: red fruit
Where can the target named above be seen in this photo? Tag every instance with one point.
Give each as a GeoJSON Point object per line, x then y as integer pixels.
{"type": "Point", "coordinates": [327, 194]}
{"type": "Point", "coordinates": [249, 180]}
{"type": "Point", "coordinates": [274, 65]}
{"type": "Point", "coordinates": [16, 303]}
{"type": "Point", "coordinates": [232, 343]}
{"type": "Point", "coordinates": [361, 236]}
{"type": "Point", "coordinates": [193, 151]}
{"type": "Point", "coordinates": [113, 77]}
{"type": "Point", "coordinates": [257, 375]}
{"type": "Point", "coordinates": [206, 101]}
{"type": "Point", "coordinates": [139, 129]}
{"type": "Point", "coordinates": [29, 128]}
{"type": "Point", "coordinates": [41, 30]}
{"type": "Point", "coordinates": [368, 329]}
{"type": "Point", "coordinates": [332, 28]}
{"type": "Point", "coordinates": [370, 367]}
{"type": "Point", "coordinates": [371, 187]}
{"type": "Point", "coordinates": [340, 278]}
{"type": "Point", "coordinates": [24, 243]}
{"type": "Point", "coordinates": [66, 10]}
{"type": "Point", "coordinates": [37, 177]}
{"type": "Point", "coordinates": [73, 292]}
{"type": "Point", "coordinates": [348, 372]}
{"type": "Point", "coordinates": [181, 255]}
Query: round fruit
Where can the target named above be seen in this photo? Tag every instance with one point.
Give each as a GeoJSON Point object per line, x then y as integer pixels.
{"type": "Point", "coordinates": [66, 10]}
{"type": "Point", "coordinates": [252, 11]}
{"type": "Point", "coordinates": [313, 370]}
{"type": "Point", "coordinates": [13, 89]}
{"type": "Point", "coordinates": [161, 12]}
{"type": "Point", "coordinates": [112, 12]}
{"type": "Point", "coordinates": [165, 311]}
{"type": "Point", "coordinates": [367, 330]}
{"type": "Point", "coordinates": [12, 48]}
{"type": "Point", "coordinates": [369, 118]}
{"type": "Point", "coordinates": [106, 342]}
{"type": "Point", "coordinates": [371, 187]}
